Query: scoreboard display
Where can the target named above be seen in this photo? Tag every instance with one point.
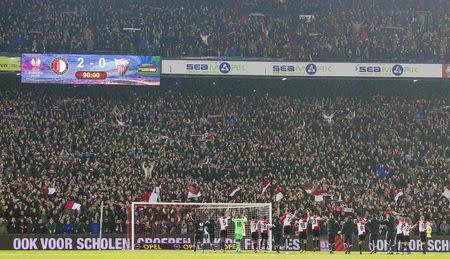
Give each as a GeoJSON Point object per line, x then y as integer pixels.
{"type": "Point", "coordinates": [90, 69]}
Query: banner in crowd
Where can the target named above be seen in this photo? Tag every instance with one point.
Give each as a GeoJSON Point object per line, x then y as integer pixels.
{"type": "Point", "coordinates": [300, 69]}
{"type": "Point", "coordinates": [9, 64]}
{"type": "Point", "coordinates": [118, 242]}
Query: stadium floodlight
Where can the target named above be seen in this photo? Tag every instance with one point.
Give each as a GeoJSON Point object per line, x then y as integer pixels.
{"type": "Point", "coordinates": [172, 225]}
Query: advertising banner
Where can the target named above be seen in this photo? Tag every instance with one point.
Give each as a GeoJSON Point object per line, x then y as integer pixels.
{"type": "Point", "coordinates": [90, 69]}
{"type": "Point", "coordinates": [9, 64]}
{"type": "Point", "coordinates": [300, 69]}
{"type": "Point", "coordinates": [118, 242]}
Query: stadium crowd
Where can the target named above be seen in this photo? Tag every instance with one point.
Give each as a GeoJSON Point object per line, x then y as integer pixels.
{"type": "Point", "coordinates": [115, 145]}
{"type": "Point", "coordinates": [343, 30]}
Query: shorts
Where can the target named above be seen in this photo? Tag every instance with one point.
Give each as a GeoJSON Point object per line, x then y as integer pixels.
{"type": "Point", "coordinates": [399, 238]}
{"type": "Point", "coordinates": [373, 238]}
{"type": "Point", "coordinates": [198, 237]}
{"type": "Point", "coordinates": [348, 239]}
{"type": "Point", "coordinates": [303, 235]}
{"type": "Point", "coordinates": [223, 233]}
{"type": "Point", "coordinates": [406, 239]}
{"type": "Point", "coordinates": [238, 236]}
{"type": "Point", "coordinates": [264, 236]}
{"type": "Point", "coordinates": [331, 238]}
{"type": "Point", "coordinates": [287, 230]}
{"type": "Point", "coordinates": [362, 237]}
{"type": "Point", "coordinates": [423, 237]}
{"type": "Point", "coordinates": [316, 233]}
{"type": "Point", "coordinates": [254, 235]}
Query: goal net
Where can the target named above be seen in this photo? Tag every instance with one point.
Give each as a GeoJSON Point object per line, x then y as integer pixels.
{"type": "Point", "coordinates": [172, 225]}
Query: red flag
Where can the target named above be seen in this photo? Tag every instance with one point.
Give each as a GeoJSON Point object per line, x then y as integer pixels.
{"type": "Point", "coordinates": [308, 188]}
{"type": "Point", "coordinates": [49, 190]}
{"type": "Point", "coordinates": [193, 192]}
{"type": "Point", "coordinates": [71, 205]}
{"type": "Point", "coordinates": [397, 194]}
{"type": "Point", "coordinates": [318, 195]}
{"type": "Point", "coordinates": [233, 191]}
{"type": "Point", "coordinates": [266, 184]}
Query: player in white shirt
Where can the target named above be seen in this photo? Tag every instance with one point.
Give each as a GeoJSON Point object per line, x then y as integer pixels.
{"type": "Point", "coordinates": [223, 223]}
{"type": "Point", "coordinates": [254, 224]}
{"type": "Point", "coordinates": [265, 227]}
{"type": "Point", "coordinates": [406, 238]}
{"type": "Point", "coordinates": [287, 220]}
{"type": "Point", "coordinates": [399, 233]}
{"type": "Point", "coordinates": [423, 225]}
{"type": "Point", "coordinates": [361, 225]}
{"type": "Point", "coordinates": [302, 225]}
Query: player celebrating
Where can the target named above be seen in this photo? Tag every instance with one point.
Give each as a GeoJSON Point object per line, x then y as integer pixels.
{"type": "Point", "coordinates": [209, 233]}
{"type": "Point", "coordinates": [399, 236]}
{"type": "Point", "coordinates": [315, 226]}
{"type": "Point", "coordinates": [277, 231]}
{"type": "Point", "coordinates": [302, 224]}
{"type": "Point", "coordinates": [406, 237]}
{"type": "Point", "coordinates": [361, 225]}
{"type": "Point", "coordinates": [223, 222]}
{"type": "Point", "coordinates": [348, 228]}
{"type": "Point", "coordinates": [254, 233]}
{"type": "Point", "coordinates": [198, 237]}
{"type": "Point", "coordinates": [286, 220]}
{"type": "Point", "coordinates": [422, 224]}
{"type": "Point", "coordinates": [264, 226]}
{"type": "Point", "coordinates": [390, 231]}
{"type": "Point", "coordinates": [374, 227]}
{"type": "Point", "coordinates": [239, 231]}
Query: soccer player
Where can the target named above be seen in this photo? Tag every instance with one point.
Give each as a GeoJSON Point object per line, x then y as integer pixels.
{"type": "Point", "coordinates": [264, 226]}
{"type": "Point", "coordinates": [254, 224]}
{"type": "Point", "coordinates": [374, 228]}
{"type": "Point", "coordinates": [332, 228]}
{"type": "Point", "coordinates": [277, 230]}
{"type": "Point", "coordinates": [399, 235]}
{"type": "Point", "coordinates": [348, 228]}
{"type": "Point", "coordinates": [286, 220]}
{"type": "Point", "coordinates": [422, 224]}
{"type": "Point", "coordinates": [361, 225]}
{"type": "Point", "coordinates": [239, 231]}
{"type": "Point", "coordinates": [209, 233]}
{"type": "Point", "coordinates": [199, 231]}
{"type": "Point", "coordinates": [223, 222]}
{"type": "Point", "coordinates": [390, 231]}
{"type": "Point", "coordinates": [302, 224]}
{"type": "Point", "coordinates": [406, 237]}
{"type": "Point", "coordinates": [315, 226]}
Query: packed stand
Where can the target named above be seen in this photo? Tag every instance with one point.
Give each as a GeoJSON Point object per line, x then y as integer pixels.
{"type": "Point", "coordinates": [344, 30]}
{"type": "Point", "coordinates": [117, 145]}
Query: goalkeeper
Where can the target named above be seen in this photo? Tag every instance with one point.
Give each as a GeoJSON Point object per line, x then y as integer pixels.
{"type": "Point", "coordinates": [239, 231]}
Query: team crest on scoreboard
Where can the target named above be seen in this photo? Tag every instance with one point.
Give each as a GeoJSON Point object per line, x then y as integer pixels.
{"type": "Point", "coordinates": [60, 65]}
{"type": "Point", "coordinates": [122, 65]}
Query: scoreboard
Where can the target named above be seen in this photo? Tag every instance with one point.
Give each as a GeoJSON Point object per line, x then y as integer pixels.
{"type": "Point", "coordinates": [90, 69]}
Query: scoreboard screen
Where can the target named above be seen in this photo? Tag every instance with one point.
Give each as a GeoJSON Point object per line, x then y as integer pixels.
{"type": "Point", "coordinates": [90, 69]}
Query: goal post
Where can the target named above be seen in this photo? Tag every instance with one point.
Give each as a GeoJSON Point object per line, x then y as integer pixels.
{"type": "Point", "coordinates": [167, 225]}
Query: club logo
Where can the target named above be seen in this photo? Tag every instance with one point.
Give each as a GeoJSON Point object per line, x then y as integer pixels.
{"type": "Point", "coordinates": [122, 65]}
{"type": "Point", "coordinates": [60, 65]}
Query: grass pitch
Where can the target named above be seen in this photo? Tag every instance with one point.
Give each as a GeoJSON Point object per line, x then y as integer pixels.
{"type": "Point", "coordinates": [200, 255]}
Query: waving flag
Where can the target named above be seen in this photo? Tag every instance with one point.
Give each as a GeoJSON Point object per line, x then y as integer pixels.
{"type": "Point", "coordinates": [278, 194]}
{"type": "Point", "coordinates": [266, 184]}
{"type": "Point", "coordinates": [308, 188]}
{"type": "Point", "coordinates": [447, 192]}
{"type": "Point", "coordinates": [397, 194]}
{"type": "Point", "coordinates": [71, 205]}
{"type": "Point", "coordinates": [233, 191]}
{"type": "Point", "coordinates": [49, 190]}
{"type": "Point", "coordinates": [152, 196]}
{"type": "Point", "coordinates": [318, 195]}
{"type": "Point", "coordinates": [193, 192]}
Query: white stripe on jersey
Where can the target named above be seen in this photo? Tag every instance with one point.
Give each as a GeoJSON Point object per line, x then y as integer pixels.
{"type": "Point", "coordinates": [361, 228]}
{"type": "Point", "coordinates": [264, 226]}
{"type": "Point", "coordinates": [423, 226]}
{"type": "Point", "coordinates": [302, 225]}
{"type": "Point", "coordinates": [287, 220]}
{"type": "Point", "coordinates": [253, 226]}
{"type": "Point", "coordinates": [223, 221]}
{"type": "Point", "coordinates": [400, 227]}
{"type": "Point", "coordinates": [406, 229]}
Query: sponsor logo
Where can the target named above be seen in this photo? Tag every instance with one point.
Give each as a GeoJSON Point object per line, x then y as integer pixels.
{"type": "Point", "coordinates": [397, 70]}
{"type": "Point", "coordinates": [387, 70]}
{"type": "Point", "coordinates": [59, 65]}
{"type": "Point", "coordinates": [122, 65]}
{"type": "Point", "coordinates": [36, 63]}
{"type": "Point", "coordinates": [215, 68]}
{"type": "Point", "coordinates": [301, 69]}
